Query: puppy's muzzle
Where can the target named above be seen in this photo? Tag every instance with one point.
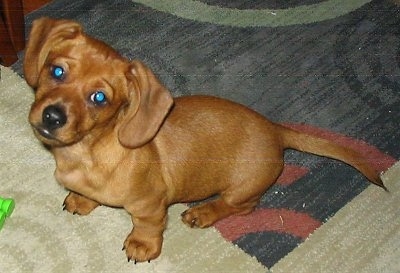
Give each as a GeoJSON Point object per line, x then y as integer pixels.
{"type": "Point", "coordinates": [53, 118]}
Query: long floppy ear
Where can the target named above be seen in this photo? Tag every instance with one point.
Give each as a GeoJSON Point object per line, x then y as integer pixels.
{"type": "Point", "coordinates": [149, 104]}
{"type": "Point", "coordinates": [45, 34]}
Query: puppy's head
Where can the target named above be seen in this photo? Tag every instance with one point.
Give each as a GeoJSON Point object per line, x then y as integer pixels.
{"type": "Point", "coordinates": [84, 87]}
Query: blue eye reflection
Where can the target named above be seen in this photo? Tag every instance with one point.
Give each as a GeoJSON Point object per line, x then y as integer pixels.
{"type": "Point", "coordinates": [98, 98]}
{"type": "Point", "coordinates": [57, 72]}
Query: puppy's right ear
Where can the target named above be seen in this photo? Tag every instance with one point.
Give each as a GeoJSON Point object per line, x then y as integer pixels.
{"type": "Point", "coordinates": [45, 34]}
{"type": "Point", "coordinates": [149, 105]}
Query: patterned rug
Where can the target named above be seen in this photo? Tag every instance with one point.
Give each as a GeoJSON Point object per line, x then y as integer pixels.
{"type": "Point", "coordinates": [333, 65]}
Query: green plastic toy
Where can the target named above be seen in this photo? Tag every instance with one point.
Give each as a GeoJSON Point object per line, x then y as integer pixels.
{"type": "Point", "coordinates": [2, 219]}
{"type": "Point", "coordinates": [7, 206]}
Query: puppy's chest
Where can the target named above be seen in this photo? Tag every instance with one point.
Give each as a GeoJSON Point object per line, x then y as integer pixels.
{"type": "Point", "coordinates": [91, 177]}
{"type": "Point", "coordinates": [80, 174]}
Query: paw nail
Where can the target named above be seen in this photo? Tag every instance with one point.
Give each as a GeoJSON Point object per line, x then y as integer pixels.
{"type": "Point", "coordinates": [123, 248]}
{"type": "Point", "coordinates": [129, 259]}
{"type": "Point", "coordinates": [184, 213]}
{"type": "Point", "coordinates": [148, 261]}
{"type": "Point", "coordinates": [135, 261]}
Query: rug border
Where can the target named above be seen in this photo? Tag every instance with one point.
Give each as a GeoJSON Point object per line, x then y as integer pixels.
{"type": "Point", "coordinates": [349, 241]}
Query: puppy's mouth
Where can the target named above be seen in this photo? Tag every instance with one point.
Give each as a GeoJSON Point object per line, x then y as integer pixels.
{"type": "Point", "coordinates": [44, 133]}
{"type": "Point", "coordinates": [47, 136]}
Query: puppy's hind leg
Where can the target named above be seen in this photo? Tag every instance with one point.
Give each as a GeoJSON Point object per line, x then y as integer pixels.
{"type": "Point", "coordinates": [206, 214]}
{"type": "Point", "coordinates": [237, 199]}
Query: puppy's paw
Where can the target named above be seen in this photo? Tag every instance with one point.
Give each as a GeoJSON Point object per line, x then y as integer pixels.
{"type": "Point", "coordinates": [200, 217]}
{"type": "Point", "coordinates": [141, 250]}
{"type": "Point", "coordinates": [78, 204]}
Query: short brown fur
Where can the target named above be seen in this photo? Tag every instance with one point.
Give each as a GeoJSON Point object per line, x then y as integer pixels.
{"type": "Point", "coordinates": [143, 150]}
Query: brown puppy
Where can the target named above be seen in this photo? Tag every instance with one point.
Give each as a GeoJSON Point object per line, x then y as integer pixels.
{"type": "Point", "coordinates": [119, 139]}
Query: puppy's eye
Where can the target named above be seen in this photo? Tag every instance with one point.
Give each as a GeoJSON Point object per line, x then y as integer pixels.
{"type": "Point", "coordinates": [98, 98]}
{"type": "Point", "coordinates": [57, 72]}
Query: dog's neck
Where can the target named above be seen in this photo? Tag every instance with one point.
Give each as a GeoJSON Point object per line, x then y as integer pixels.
{"type": "Point", "coordinates": [82, 151]}
{"type": "Point", "coordinates": [83, 166]}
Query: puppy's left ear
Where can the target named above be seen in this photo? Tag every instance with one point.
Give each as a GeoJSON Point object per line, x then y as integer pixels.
{"type": "Point", "coordinates": [149, 104]}
{"type": "Point", "coordinates": [46, 33]}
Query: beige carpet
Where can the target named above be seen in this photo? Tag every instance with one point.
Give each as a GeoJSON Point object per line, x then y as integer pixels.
{"type": "Point", "coordinates": [40, 237]}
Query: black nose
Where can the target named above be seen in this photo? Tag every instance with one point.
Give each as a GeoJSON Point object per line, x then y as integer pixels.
{"type": "Point", "coordinates": [53, 117]}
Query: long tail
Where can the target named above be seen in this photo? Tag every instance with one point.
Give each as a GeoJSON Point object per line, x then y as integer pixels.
{"type": "Point", "coordinates": [307, 143]}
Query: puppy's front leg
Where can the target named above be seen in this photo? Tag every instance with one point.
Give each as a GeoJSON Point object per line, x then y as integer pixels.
{"type": "Point", "coordinates": [145, 241]}
{"type": "Point", "coordinates": [79, 204]}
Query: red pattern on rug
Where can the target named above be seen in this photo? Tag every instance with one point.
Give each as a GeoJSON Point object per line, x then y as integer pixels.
{"type": "Point", "coordinates": [278, 220]}
{"type": "Point", "coordinates": [290, 174]}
